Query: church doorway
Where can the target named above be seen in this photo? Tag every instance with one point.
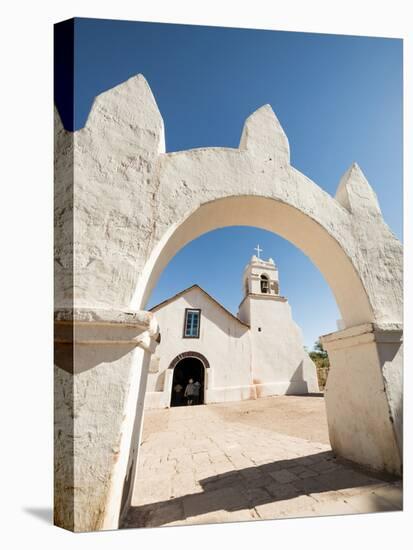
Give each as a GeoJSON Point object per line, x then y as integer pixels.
{"type": "Point", "coordinates": [187, 368]}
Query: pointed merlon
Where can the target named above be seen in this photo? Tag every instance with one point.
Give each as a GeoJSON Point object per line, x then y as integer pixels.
{"type": "Point", "coordinates": [264, 137]}
{"type": "Point", "coordinates": [129, 112]}
{"type": "Point", "coordinates": [355, 193]}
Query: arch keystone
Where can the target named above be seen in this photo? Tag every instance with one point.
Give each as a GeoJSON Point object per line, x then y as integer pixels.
{"type": "Point", "coordinates": [355, 193]}
{"type": "Point", "coordinates": [264, 137]}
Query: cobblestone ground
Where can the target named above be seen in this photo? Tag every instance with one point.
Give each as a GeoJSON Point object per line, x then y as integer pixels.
{"type": "Point", "coordinates": [236, 462]}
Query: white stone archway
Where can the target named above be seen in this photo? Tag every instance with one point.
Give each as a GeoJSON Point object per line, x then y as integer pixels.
{"type": "Point", "coordinates": [280, 218]}
{"type": "Point", "coordinates": [124, 207]}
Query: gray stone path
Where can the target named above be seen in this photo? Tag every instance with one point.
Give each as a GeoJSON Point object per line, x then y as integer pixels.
{"type": "Point", "coordinates": [197, 467]}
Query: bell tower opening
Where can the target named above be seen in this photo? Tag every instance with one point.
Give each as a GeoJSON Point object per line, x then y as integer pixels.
{"type": "Point", "coordinates": [264, 284]}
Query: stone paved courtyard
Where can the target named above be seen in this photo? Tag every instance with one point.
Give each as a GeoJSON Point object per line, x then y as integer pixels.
{"type": "Point", "coordinates": [262, 459]}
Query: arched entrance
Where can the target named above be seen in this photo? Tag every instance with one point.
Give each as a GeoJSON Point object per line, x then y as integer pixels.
{"type": "Point", "coordinates": [187, 368]}
{"type": "Point", "coordinates": [364, 319]}
{"type": "Point", "coordinates": [186, 365]}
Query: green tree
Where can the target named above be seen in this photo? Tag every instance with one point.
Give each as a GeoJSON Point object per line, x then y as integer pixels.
{"type": "Point", "coordinates": [322, 363]}
{"type": "Point", "coordinates": [318, 348]}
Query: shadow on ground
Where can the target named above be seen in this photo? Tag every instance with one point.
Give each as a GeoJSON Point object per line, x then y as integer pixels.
{"type": "Point", "coordinates": [309, 394]}
{"type": "Point", "coordinates": [252, 487]}
{"type": "Point", "coordinates": [44, 514]}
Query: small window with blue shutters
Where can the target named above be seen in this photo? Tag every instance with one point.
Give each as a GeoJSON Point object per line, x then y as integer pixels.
{"type": "Point", "coordinates": [192, 322]}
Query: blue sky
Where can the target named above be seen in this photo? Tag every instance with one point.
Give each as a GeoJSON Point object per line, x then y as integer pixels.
{"type": "Point", "coordinates": [338, 98]}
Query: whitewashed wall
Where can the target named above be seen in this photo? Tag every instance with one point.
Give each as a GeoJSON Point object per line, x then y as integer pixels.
{"type": "Point", "coordinates": [280, 364]}
{"type": "Point", "coordinates": [223, 340]}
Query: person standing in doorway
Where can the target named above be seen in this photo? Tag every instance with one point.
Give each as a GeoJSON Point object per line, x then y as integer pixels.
{"type": "Point", "coordinates": [197, 388]}
{"type": "Point", "coordinates": [192, 392]}
{"type": "Point", "coordinates": [189, 392]}
{"type": "Point", "coordinates": [178, 394]}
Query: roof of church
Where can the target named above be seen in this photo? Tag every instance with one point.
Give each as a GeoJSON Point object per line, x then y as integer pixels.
{"type": "Point", "coordinates": [172, 298]}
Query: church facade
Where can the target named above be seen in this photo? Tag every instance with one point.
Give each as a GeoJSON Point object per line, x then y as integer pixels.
{"type": "Point", "coordinates": [257, 353]}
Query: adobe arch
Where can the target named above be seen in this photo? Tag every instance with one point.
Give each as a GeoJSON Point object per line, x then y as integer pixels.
{"type": "Point", "coordinates": [284, 220]}
{"type": "Point", "coordinates": [130, 208]}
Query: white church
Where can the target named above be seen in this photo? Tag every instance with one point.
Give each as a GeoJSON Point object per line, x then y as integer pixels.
{"type": "Point", "coordinates": [257, 353]}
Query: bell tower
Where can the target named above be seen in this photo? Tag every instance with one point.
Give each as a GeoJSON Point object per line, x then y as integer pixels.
{"type": "Point", "coordinates": [260, 277]}
{"type": "Point", "coordinates": [259, 281]}
{"type": "Point", "coordinates": [279, 363]}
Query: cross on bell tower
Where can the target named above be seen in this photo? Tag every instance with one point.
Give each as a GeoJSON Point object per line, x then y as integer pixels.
{"type": "Point", "coordinates": [258, 249]}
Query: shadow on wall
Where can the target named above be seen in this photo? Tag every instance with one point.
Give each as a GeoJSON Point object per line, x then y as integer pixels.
{"type": "Point", "coordinates": [92, 356]}
{"type": "Point", "coordinates": [391, 362]}
{"type": "Point", "coordinates": [297, 383]}
{"type": "Point", "coordinates": [68, 349]}
{"type": "Point", "coordinates": [160, 381]}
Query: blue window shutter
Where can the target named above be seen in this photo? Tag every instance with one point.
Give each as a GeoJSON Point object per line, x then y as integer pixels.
{"type": "Point", "coordinates": [192, 323]}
